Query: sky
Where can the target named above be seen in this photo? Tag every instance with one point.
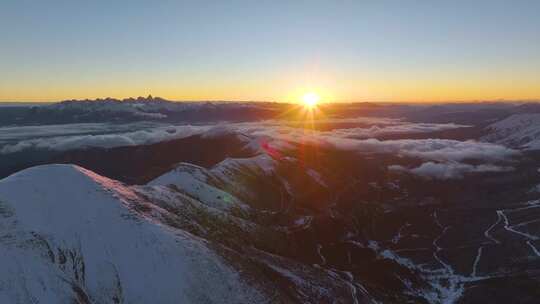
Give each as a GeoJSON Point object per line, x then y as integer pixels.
{"type": "Point", "coordinates": [270, 50]}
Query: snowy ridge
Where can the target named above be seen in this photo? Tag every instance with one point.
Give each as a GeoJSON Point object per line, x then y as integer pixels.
{"type": "Point", "coordinates": [75, 238]}
{"type": "Point", "coordinates": [262, 163]}
{"type": "Point", "coordinates": [518, 130]}
{"type": "Point", "coordinates": [208, 185]}
{"type": "Point", "coordinates": [194, 181]}
{"type": "Point", "coordinates": [70, 235]}
{"type": "Point", "coordinates": [228, 186]}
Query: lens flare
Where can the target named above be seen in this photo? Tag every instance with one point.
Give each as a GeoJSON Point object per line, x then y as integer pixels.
{"type": "Point", "coordinates": [311, 99]}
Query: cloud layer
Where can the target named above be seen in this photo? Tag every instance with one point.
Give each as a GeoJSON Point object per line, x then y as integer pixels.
{"type": "Point", "coordinates": [440, 150]}
{"type": "Point", "coordinates": [444, 158]}
{"type": "Point", "coordinates": [445, 171]}
{"type": "Point", "coordinates": [141, 137]}
{"type": "Point", "coordinates": [396, 129]}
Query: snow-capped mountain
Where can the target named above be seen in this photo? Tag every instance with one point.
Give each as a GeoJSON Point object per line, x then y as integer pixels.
{"type": "Point", "coordinates": [518, 130]}
{"type": "Point", "coordinates": [80, 237]}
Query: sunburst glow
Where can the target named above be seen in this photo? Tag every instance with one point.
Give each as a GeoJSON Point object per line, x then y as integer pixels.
{"type": "Point", "coordinates": [311, 99]}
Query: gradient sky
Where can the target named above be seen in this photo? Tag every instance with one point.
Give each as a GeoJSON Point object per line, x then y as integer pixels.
{"type": "Point", "coordinates": [270, 50]}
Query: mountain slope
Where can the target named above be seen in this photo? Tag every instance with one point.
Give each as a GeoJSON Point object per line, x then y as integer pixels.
{"type": "Point", "coordinates": [69, 235]}
{"type": "Point", "coordinates": [518, 130]}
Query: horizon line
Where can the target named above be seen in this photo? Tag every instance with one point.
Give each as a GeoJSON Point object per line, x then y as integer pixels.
{"type": "Point", "coordinates": [499, 100]}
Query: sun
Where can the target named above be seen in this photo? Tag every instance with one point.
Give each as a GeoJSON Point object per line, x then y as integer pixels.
{"type": "Point", "coordinates": [311, 99]}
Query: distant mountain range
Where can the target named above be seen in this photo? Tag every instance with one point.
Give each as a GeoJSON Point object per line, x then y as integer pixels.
{"type": "Point", "coordinates": [158, 109]}
{"type": "Point", "coordinates": [134, 109]}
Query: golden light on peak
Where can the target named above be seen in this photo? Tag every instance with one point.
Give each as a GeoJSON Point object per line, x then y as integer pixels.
{"type": "Point", "coordinates": [310, 99]}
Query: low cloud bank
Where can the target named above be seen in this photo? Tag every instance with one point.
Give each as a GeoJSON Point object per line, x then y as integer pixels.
{"type": "Point", "coordinates": [445, 171]}
{"type": "Point", "coordinates": [283, 137]}
{"type": "Point", "coordinates": [397, 129]}
{"type": "Point", "coordinates": [438, 149]}
{"type": "Point", "coordinates": [428, 149]}
{"type": "Point", "coordinates": [443, 158]}
{"type": "Point", "coordinates": [141, 137]}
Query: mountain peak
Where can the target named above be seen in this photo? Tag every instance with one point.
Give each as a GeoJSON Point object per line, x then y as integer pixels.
{"type": "Point", "coordinates": [73, 232]}
{"type": "Point", "coordinates": [149, 98]}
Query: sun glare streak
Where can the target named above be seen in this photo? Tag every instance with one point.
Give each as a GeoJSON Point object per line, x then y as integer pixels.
{"type": "Point", "coordinates": [311, 99]}
{"type": "Point", "coordinates": [311, 111]}
{"type": "Point", "coordinates": [304, 112]}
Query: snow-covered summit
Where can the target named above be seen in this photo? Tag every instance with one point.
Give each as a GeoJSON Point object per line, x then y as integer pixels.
{"type": "Point", "coordinates": [70, 235]}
